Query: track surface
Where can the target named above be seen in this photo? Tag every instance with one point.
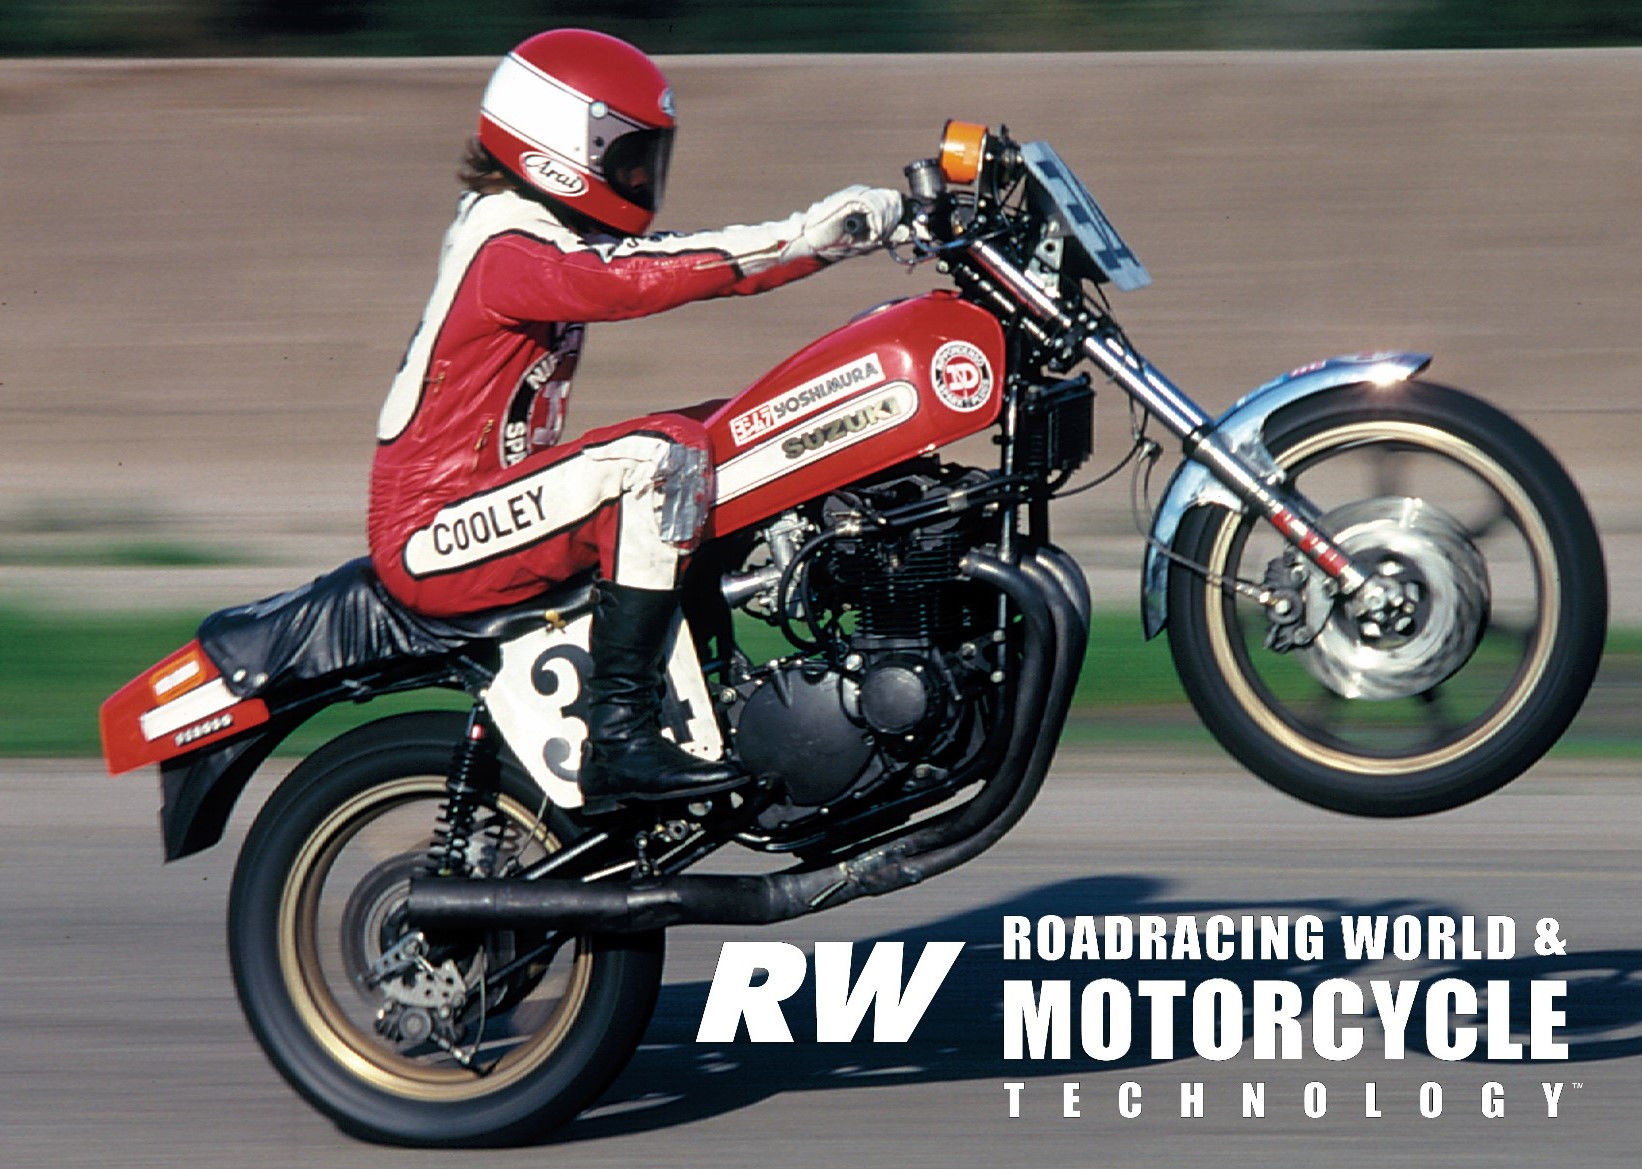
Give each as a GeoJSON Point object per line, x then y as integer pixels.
{"type": "Point", "coordinates": [121, 1044]}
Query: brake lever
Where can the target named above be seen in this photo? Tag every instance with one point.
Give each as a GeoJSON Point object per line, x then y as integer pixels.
{"type": "Point", "coordinates": [915, 215]}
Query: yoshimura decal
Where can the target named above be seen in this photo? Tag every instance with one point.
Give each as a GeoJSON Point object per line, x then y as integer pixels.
{"type": "Point", "coordinates": [553, 176]}
{"type": "Point", "coordinates": [962, 376]}
{"type": "Point", "coordinates": [806, 399]}
{"type": "Point", "coordinates": [840, 427]}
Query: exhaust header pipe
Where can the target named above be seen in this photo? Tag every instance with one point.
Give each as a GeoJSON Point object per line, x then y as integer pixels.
{"type": "Point", "coordinates": [1044, 589]}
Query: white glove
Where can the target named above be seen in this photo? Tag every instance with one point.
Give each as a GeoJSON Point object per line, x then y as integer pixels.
{"type": "Point", "coordinates": [850, 222]}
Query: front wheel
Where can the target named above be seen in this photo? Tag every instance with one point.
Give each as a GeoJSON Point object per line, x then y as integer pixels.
{"type": "Point", "coordinates": [410, 1039]}
{"type": "Point", "coordinates": [1504, 606]}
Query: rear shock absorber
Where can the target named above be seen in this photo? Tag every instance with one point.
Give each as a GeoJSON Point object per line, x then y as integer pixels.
{"type": "Point", "coordinates": [473, 775]}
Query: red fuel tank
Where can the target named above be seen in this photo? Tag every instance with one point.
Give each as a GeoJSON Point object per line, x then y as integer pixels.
{"type": "Point", "coordinates": [901, 381]}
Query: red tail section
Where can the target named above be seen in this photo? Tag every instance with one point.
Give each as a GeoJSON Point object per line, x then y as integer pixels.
{"type": "Point", "coordinates": [177, 706]}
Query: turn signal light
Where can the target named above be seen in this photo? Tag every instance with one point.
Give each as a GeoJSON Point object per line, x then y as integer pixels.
{"type": "Point", "coordinates": [962, 145]}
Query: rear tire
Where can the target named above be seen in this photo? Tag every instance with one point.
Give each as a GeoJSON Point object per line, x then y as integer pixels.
{"type": "Point", "coordinates": [1502, 705]}
{"type": "Point", "coordinates": [300, 929]}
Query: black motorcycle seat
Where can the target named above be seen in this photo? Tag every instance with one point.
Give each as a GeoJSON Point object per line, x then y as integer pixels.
{"type": "Point", "coordinates": [346, 623]}
{"type": "Point", "coordinates": [564, 601]}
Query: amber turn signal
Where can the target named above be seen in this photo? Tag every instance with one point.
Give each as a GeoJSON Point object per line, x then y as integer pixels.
{"type": "Point", "coordinates": [962, 144]}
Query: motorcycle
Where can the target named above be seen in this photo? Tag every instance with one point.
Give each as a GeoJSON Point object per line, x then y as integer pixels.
{"type": "Point", "coordinates": [1382, 596]}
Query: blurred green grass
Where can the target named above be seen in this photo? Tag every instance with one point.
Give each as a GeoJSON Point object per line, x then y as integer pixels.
{"type": "Point", "coordinates": [130, 554]}
{"type": "Point", "coordinates": [56, 668]}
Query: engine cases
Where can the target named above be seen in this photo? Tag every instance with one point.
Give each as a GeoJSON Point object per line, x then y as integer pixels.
{"type": "Point", "coordinates": [797, 727]}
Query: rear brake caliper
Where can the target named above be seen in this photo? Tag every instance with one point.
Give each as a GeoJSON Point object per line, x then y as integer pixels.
{"type": "Point", "coordinates": [423, 1002]}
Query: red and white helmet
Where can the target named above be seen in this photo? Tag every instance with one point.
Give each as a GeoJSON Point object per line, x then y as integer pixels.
{"type": "Point", "coordinates": [587, 120]}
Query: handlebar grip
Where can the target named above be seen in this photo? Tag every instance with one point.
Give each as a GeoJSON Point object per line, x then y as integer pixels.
{"type": "Point", "coordinates": [855, 225]}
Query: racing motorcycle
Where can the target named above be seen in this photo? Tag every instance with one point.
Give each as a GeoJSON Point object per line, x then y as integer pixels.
{"type": "Point", "coordinates": [1382, 596]}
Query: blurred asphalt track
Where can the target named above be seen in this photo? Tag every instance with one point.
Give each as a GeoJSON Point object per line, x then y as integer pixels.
{"type": "Point", "coordinates": [122, 1047]}
{"type": "Point", "coordinates": [208, 269]}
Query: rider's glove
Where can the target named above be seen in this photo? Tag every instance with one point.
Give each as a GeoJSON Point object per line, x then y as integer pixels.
{"type": "Point", "coordinates": [850, 222]}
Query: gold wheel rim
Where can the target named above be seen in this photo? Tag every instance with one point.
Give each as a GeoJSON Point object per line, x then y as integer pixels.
{"type": "Point", "coordinates": [1532, 526]}
{"type": "Point", "coordinates": [365, 1056]}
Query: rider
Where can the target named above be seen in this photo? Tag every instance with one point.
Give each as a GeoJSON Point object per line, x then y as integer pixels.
{"type": "Point", "coordinates": [475, 500]}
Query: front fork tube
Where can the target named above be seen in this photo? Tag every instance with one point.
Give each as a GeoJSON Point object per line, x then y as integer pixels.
{"type": "Point", "coordinates": [1281, 508]}
{"type": "Point", "coordinates": [1260, 489]}
{"type": "Point", "coordinates": [1119, 360]}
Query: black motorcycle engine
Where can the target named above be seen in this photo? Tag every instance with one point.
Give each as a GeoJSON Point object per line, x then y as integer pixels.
{"type": "Point", "coordinates": [898, 694]}
{"type": "Point", "coordinates": [797, 727]}
{"type": "Point", "coordinates": [881, 693]}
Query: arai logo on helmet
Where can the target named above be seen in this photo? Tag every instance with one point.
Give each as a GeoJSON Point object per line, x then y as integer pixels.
{"type": "Point", "coordinates": [962, 376]}
{"type": "Point", "coordinates": [553, 176]}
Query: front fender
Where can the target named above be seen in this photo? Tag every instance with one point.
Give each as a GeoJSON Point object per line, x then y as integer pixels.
{"type": "Point", "coordinates": [1243, 428]}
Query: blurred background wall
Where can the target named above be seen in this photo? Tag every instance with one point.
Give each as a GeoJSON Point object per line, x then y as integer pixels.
{"type": "Point", "coordinates": [195, 27]}
{"type": "Point", "coordinates": [209, 268]}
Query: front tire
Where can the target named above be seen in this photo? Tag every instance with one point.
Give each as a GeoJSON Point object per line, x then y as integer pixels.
{"type": "Point", "coordinates": [318, 897]}
{"type": "Point", "coordinates": [1496, 503]}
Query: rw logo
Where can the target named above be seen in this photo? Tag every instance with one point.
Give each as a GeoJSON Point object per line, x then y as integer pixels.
{"type": "Point", "coordinates": [840, 1007]}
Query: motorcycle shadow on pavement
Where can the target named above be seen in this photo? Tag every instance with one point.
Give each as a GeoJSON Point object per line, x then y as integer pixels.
{"type": "Point", "coordinates": [673, 1080]}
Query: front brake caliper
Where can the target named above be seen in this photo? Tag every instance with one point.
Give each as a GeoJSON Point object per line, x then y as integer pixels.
{"type": "Point", "coordinates": [1284, 596]}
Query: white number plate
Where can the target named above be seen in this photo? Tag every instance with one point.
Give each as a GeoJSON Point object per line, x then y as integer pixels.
{"type": "Point", "coordinates": [539, 703]}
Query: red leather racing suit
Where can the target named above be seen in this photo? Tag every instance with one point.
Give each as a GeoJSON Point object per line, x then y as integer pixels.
{"type": "Point", "coordinates": [475, 502]}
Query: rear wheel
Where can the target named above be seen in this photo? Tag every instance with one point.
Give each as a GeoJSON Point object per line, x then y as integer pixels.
{"type": "Point", "coordinates": [1462, 688]}
{"type": "Point", "coordinates": [399, 1037]}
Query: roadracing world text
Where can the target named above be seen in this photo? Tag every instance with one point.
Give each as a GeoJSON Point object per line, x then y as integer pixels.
{"type": "Point", "coordinates": [1365, 986]}
{"type": "Point", "coordinates": [1277, 1019]}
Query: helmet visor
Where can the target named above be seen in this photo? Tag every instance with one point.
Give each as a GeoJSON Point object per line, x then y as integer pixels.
{"type": "Point", "coordinates": [635, 166]}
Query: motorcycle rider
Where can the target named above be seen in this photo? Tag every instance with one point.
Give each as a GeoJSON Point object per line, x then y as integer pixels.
{"type": "Point", "coordinates": [475, 500]}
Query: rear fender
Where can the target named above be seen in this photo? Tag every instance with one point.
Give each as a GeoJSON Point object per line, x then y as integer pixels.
{"type": "Point", "coordinates": [181, 715]}
{"type": "Point", "coordinates": [198, 790]}
{"type": "Point", "coordinates": [1243, 428]}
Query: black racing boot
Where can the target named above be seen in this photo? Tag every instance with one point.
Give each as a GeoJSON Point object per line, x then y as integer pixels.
{"type": "Point", "coordinates": [625, 757]}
